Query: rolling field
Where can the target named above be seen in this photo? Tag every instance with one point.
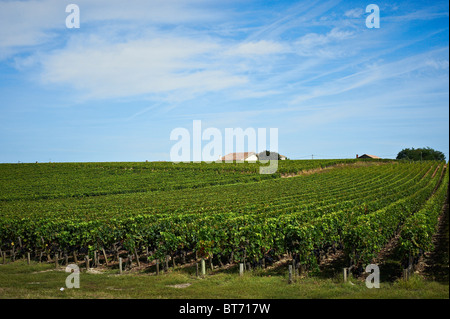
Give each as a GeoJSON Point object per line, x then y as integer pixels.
{"type": "Point", "coordinates": [170, 215]}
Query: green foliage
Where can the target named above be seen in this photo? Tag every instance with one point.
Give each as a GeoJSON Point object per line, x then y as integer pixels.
{"type": "Point", "coordinates": [417, 232]}
{"type": "Point", "coordinates": [213, 209]}
{"type": "Point", "coordinates": [420, 154]}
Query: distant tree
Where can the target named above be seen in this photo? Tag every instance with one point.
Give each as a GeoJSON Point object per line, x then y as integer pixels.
{"type": "Point", "coordinates": [421, 154]}
{"type": "Point", "coordinates": [268, 155]}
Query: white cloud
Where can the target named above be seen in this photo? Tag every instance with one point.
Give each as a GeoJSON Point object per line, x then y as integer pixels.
{"type": "Point", "coordinates": [262, 47]}
{"type": "Point", "coordinates": [250, 94]}
{"type": "Point", "coordinates": [149, 11]}
{"type": "Point", "coordinates": [26, 23]}
{"type": "Point", "coordinates": [376, 74]}
{"type": "Point", "coordinates": [438, 64]}
{"type": "Point", "coordinates": [30, 23]}
{"type": "Point", "coordinates": [158, 65]}
{"type": "Point", "coordinates": [354, 13]}
{"type": "Point", "coordinates": [322, 45]}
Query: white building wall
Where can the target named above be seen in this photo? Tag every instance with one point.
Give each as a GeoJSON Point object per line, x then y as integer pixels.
{"type": "Point", "coordinates": [252, 158]}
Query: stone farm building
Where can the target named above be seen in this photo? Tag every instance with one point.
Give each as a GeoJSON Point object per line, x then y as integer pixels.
{"type": "Point", "coordinates": [367, 156]}
{"type": "Point", "coordinates": [244, 157]}
{"type": "Point", "coordinates": [240, 157]}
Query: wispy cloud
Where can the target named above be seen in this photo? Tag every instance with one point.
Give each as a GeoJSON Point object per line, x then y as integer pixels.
{"type": "Point", "coordinates": [354, 13]}
{"type": "Point", "coordinates": [300, 66]}
{"type": "Point", "coordinates": [28, 23]}
{"type": "Point", "coordinates": [255, 48]}
{"type": "Point", "coordinates": [313, 44]}
{"type": "Point", "coordinates": [297, 16]}
{"type": "Point", "coordinates": [158, 65]}
{"type": "Point", "coordinates": [25, 24]}
{"type": "Point", "coordinates": [375, 74]}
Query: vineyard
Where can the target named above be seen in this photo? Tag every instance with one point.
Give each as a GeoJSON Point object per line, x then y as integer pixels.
{"type": "Point", "coordinates": [221, 212]}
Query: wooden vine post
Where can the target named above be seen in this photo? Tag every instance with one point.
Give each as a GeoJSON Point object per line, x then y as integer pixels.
{"type": "Point", "coordinates": [157, 266]}
{"type": "Point", "coordinates": [166, 265]}
{"type": "Point", "coordinates": [95, 259]}
{"type": "Point", "coordinates": [137, 258]}
{"type": "Point", "coordinates": [203, 267]}
{"type": "Point", "coordinates": [104, 255]}
{"type": "Point", "coordinates": [290, 274]}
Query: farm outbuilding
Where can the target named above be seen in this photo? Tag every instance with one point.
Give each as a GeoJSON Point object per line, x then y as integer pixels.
{"type": "Point", "coordinates": [368, 156]}
{"type": "Point", "coordinates": [245, 156]}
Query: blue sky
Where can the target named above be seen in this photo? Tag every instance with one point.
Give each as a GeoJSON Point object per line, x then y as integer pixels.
{"type": "Point", "coordinates": [114, 89]}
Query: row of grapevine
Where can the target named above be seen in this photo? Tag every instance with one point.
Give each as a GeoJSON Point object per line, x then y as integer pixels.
{"type": "Point", "coordinates": [65, 180]}
{"type": "Point", "coordinates": [369, 233]}
{"type": "Point", "coordinates": [417, 231]}
{"type": "Point", "coordinates": [358, 207]}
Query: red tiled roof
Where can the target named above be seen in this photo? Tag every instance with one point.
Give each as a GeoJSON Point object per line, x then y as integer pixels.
{"type": "Point", "coordinates": [237, 156]}
{"type": "Point", "coordinates": [368, 155]}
